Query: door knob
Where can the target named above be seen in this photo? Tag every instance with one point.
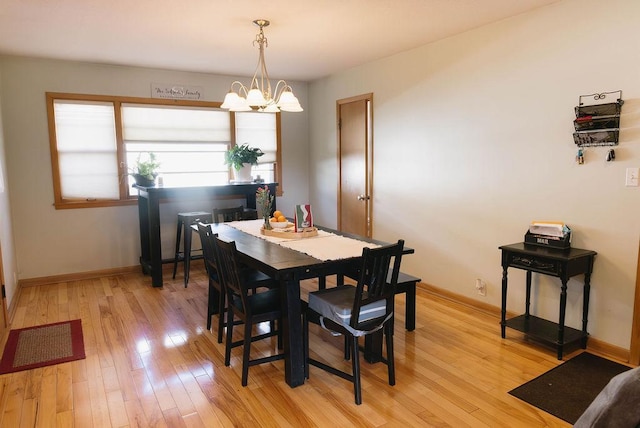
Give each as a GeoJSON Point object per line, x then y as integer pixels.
{"type": "Point", "coordinates": [363, 198]}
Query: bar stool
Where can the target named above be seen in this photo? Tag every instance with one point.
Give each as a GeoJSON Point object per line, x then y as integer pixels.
{"type": "Point", "coordinates": [185, 220]}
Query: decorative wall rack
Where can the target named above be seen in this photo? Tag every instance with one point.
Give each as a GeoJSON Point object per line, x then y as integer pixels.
{"type": "Point", "coordinates": [598, 124]}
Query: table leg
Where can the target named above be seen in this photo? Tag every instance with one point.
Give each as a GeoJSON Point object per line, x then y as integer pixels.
{"type": "Point", "coordinates": [373, 347]}
{"type": "Point", "coordinates": [410, 307]}
{"type": "Point", "coordinates": [528, 296]}
{"type": "Point", "coordinates": [503, 310]}
{"type": "Point", "coordinates": [155, 250]}
{"type": "Point", "coordinates": [585, 303]}
{"type": "Point", "coordinates": [143, 220]}
{"type": "Point", "coordinates": [292, 334]}
{"type": "Point", "coordinates": [563, 306]}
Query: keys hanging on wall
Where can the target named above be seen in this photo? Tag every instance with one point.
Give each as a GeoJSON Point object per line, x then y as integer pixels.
{"type": "Point", "coordinates": [611, 155]}
{"type": "Point", "coordinates": [580, 157]}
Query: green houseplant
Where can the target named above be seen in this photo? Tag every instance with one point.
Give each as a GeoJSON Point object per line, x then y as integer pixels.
{"type": "Point", "coordinates": [237, 156]}
{"type": "Point", "coordinates": [241, 158]}
{"type": "Point", "coordinates": [145, 170]}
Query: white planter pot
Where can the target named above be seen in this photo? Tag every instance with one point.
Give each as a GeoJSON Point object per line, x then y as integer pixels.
{"type": "Point", "coordinates": [244, 174]}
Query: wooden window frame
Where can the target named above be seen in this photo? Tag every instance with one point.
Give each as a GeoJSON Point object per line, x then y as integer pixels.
{"type": "Point", "coordinates": [117, 101]}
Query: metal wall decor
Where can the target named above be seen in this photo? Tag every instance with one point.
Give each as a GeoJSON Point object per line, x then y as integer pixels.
{"type": "Point", "coordinates": [597, 121]}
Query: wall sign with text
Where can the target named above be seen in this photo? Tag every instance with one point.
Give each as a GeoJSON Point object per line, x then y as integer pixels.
{"type": "Point", "coordinates": [176, 92]}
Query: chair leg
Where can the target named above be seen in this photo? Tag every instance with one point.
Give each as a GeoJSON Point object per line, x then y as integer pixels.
{"type": "Point", "coordinates": [322, 282]}
{"type": "Point", "coordinates": [210, 306]}
{"type": "Point", "coordinates": [246, 352]}
{"type": "Point", "coordinates": [187, 252]}
{"type": "Point", "coordinates": [391, 367]}
{"type": "Point", "coordinates": [221, 310]}
{"type": "Point", "coordinates": [227, 350]}
{"type": "Point", "coordinates": [177, 252]}
{"type": "Point", "coordinates": [357, 388]}
{"type": "Point", "coordinates": [347, 348]}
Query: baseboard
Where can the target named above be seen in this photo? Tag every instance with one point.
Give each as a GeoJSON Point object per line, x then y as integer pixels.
{"type": "Point", "coordinates": [593, 345]}
{"type": "Point", "coordinates": [461, 300]}
{"type": "Point", "coordinates": [78, 276]}
{"type": "Point", "coordinates": [608, 350]}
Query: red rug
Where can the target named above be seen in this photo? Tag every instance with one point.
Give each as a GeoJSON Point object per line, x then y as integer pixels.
{"type": "Point", "coordinates": [44, 345]}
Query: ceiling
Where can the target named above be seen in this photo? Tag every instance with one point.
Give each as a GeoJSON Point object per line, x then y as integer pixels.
{"type": "Point", "coordinates": [306, 39]}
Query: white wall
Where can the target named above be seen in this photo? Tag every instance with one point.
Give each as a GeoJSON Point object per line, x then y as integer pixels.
{"type": "Point", "coordinates": [473, 140]}
{"type": "Point", "coordinates": [6, 233]}
{"type": "Point", "coordinates": [51, 242]}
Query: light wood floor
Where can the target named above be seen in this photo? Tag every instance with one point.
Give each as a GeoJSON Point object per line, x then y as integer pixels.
{"type": "Point", "coordinates": [151, 362]}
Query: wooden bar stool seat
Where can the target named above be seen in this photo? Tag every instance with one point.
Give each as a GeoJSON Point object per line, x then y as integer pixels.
{"type": "Point", "coordinates": [185, 220]}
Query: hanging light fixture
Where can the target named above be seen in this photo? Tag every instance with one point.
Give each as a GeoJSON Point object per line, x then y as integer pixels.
{"type": "Point", "coordinates": [259, 94]}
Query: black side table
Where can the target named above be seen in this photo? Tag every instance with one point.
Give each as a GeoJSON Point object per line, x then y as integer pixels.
{"type": "Point", "coordinates": [554, 262]}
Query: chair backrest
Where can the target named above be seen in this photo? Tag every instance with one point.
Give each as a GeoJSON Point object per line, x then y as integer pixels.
{"type": "Point", "coordinates": [231, 274]}
{"type": "Point", "coordinates": [221, 215]}
{"type": "Point", "coordinates": [372, 283]}
{"type": "Point", "coordinates": [207, 238]}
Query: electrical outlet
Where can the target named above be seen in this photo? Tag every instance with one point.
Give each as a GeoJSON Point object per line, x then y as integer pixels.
{"type": "Point", "coordinates": [481, 286]}
{"type": "Point", "coordinates": [631, 177]}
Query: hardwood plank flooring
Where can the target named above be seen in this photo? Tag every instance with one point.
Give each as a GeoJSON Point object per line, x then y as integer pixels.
{"type": "Point", "coordinates": [152, 363]}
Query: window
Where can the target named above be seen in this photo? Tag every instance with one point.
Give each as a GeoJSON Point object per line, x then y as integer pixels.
{"type": "Point", "coordinates": [260, 130]}
{"type": "Point", "coordinates": [86, 166]}
{"type": "Point", "coordinates": [189, 142]}
{"type": "Point", "coordinates": [95, 140]}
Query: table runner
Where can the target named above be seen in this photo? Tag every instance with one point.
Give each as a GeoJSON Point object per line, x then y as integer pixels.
{"type": "Point", "coordinates": [325, 246]}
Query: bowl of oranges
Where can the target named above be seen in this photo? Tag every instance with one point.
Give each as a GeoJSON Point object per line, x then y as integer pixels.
{"type": "Point", "coordinates": [279, 221]}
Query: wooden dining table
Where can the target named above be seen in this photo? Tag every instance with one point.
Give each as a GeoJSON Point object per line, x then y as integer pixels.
{"type": "Point", "coordinates": [289, 267]}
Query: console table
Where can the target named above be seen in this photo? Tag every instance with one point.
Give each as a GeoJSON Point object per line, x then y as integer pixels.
{"type": "Point", "coordinates": [554, 262]}
{"type": "Point", "coordinates": [149, 215]}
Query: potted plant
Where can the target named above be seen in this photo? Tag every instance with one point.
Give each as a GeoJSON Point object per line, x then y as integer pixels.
{"type": "Point", "coordinates": [146, 170]}
{"type": "Point", "coordinates": [241, 158]}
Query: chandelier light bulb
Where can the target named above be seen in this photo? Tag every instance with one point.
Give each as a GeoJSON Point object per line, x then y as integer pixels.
{"type": "Point", "coordinates": [255, 98]}
{"type": "Point", "coordinates": [289, 102]}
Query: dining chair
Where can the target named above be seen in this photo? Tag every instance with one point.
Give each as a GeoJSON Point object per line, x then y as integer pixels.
{"type": "Point", "coordinates": [216, 303]}
{"type": "Point", "coordinates": [360, 310]}
{"type": "Point", "coordinates": [250, 308]}
{"type": "Point", "coordinates": [221, 215]}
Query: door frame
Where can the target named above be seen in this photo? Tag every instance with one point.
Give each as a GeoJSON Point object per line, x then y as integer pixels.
{"type": "Point", "coordinates": [369, 158]}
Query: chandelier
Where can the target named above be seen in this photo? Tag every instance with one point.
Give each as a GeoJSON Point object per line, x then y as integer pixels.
{"type": "Point", "coordinates": [259, 95]}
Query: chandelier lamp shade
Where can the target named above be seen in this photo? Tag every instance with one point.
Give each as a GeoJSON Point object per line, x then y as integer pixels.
{"type": "Point", "coordinates": [260, 96]}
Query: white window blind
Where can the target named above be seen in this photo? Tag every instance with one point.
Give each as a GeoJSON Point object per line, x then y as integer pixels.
{"type": "Point", "coordinates": [87, 154]}
{"type": "Point", "coordinates": [189, 142]}
{"type": "Point", "coordinates": [259, 130]}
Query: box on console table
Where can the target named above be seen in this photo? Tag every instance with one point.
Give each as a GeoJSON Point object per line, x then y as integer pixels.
{"type": "Point", "coordinates": [560, 242]}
